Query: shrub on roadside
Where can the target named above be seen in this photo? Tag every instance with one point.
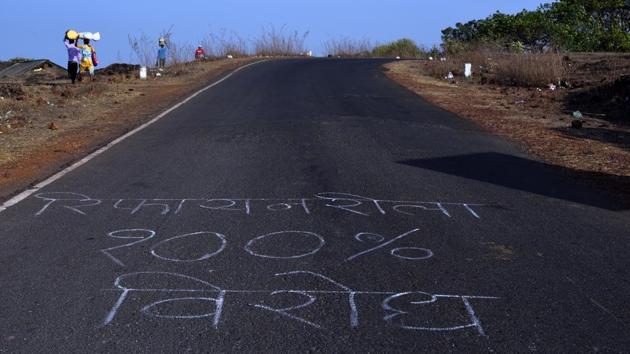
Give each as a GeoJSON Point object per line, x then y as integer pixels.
{"type": "Point", "coordinates": [20, 60]}
{"type": "Point", "coordinates": [434, 52]}
{"type": "Point", "coordinates": [404, 48]}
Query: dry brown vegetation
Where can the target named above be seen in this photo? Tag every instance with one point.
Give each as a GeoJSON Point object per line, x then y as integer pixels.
{"type": "Point", "coordinates": [526, 70]}
{"type": "Point", "coordinates": [348, 47]}
{"type": "Point", "coordinates": [594, 83]}
{"type": "Point", "coordinates": [223, 43]}
{"type": "Point", "coordinates": [143, 48]}
{"type": "Point", "coordinates": [279, 42]}
{"type": "Point", "coordinates": [270, 42]}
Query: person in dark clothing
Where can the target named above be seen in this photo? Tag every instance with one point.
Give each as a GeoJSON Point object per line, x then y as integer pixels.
{"type": "Point", "coordinates": [73, 71]}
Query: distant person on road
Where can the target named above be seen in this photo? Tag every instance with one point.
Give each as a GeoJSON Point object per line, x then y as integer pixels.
{"type": "Point", "coordinates": [88, 61]}
{"type": "Point", "coordinates": [161, 55]}
{"type": "Point", "coordinates": [74, 55]}
{"type": "Point", "coordinates": [200, 54]}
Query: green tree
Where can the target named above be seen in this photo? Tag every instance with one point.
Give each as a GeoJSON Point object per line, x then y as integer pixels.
{"type": "Point", "coordinates": [575, 25]}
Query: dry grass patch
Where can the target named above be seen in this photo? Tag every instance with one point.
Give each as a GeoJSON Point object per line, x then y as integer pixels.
{"type": "Point", "coordinates": [527, 70]}
{"type": "Point", "coordinates": [274, 42]}
{"type": "Point", "coordinates": [348, 47]}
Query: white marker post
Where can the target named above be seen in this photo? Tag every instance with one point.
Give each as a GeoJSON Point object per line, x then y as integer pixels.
{"type": "Point", "coordinates": [468, 70]}
{"type": "Point", "coordinates": [143, 73]}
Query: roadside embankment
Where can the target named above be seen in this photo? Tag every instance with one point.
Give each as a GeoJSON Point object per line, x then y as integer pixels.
{"type": "Point", "coordinates": [540, 118]}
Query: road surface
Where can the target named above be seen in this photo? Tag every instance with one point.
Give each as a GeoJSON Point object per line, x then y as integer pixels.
{"type": "Point", "coordinates": [314, 205]}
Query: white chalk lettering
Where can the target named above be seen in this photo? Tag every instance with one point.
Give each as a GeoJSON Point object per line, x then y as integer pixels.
{"type": "Point", "coordinates": [285, 311]}
{"type": "Point", "coordinates": [349, 201]}
{"type": "Point", "coordinates": [302, 203]}
{"type": "Point", "coordinates": [398, 306]}
{"type": "Point", "coordinates": [271, 245]}
{"type": "Point", "coordinates": [206, 256]}
{"type": "Point", "coordinates": [366, 236]}
{"type": "Point", "coordinates": [344, 202]}
{"type": "Point", "coordinates": [428, 299]}
{"type": "Point", "coordinates": [271, 238]}
{"type": "Point", "coordinates": [66, 198]}
{"type": "Point", "coordinates": [228, 205]}
{"type": "Point", "coordinates": [196, 286]}
{"type": "Point", "coordinates": [139, 235]}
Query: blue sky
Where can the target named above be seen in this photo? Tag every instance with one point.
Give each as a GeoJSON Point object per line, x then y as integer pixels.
{"type": "Point", "coordinates": [34, 28]}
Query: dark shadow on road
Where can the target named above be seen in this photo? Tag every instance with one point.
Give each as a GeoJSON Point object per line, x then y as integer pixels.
{"type": "Point", "coordinates": [534, 177]}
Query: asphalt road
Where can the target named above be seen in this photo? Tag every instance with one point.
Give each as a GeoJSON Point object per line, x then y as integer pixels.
{"type": "Point", "coordinates": [314, 205]}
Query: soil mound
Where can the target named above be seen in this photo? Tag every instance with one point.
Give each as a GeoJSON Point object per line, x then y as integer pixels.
{"type": "Point", "coordinates": [610, 99]}
{"type": "Point", "coordinates": [119, 69]}
{"type": "Point", "coordinates": [12, 90]}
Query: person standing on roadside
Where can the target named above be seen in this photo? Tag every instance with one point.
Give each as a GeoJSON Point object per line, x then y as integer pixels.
{"type": "Point", "coordinates": [74, 54]}
{"type": "Point", "coordinates": [88, 53]}
{"type": "Point", "coordinates": [200, 54]}
{"type": "Point", "coordinates": [161, 55]}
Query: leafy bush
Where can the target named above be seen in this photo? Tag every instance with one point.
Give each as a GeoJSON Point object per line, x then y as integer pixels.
{"type": "Point", "coordinates": [574, 25]}
{"type": "Point", "coordinates": [404, 48]}
{"type": "Point", "coordinates": [434, 52]}
{"type": "Point", "coordinates": [20, 60]}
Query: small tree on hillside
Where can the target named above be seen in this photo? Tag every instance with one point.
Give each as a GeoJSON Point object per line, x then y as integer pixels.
{"type": "Point", "coordinates": [404, 48]}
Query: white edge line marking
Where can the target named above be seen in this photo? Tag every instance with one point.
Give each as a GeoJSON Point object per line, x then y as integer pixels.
{"type": "Point", "coordinates": [25, 194]}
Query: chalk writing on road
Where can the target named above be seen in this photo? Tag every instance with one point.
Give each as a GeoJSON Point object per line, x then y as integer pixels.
{"type": "Point", "coordinates": [195, 298]}
{"type": "Point", "coordinates": [216, 243]}
{"type": "Point", "coordinates": [341, 202]}
{"type": "Point", "coordinates": [399, 308]}
{"type": "Point", "coordinates": [396, 252]}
